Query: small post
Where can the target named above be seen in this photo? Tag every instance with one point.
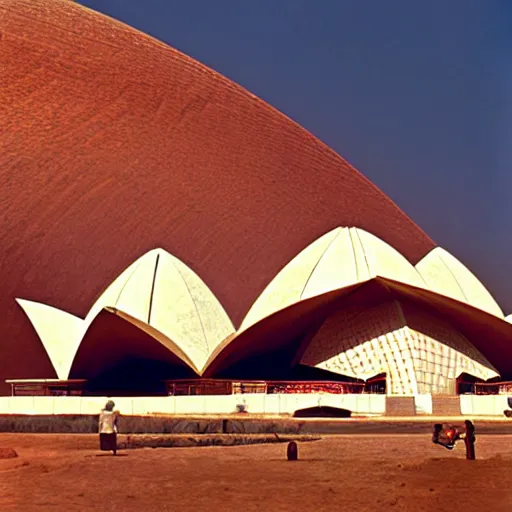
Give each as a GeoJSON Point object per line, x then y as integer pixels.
{"type": "Point", "coordinates": [292, 452]}
{"type": "Point", "coordinates": [469, 440]}
{"type": "Point", "coordinates": [508, 412]}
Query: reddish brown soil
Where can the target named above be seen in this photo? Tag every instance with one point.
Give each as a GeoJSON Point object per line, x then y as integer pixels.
{"type": "Point", "coordinates": [361, 473]}
{"type": "Point", "coordinates": [8, 453]}
{"type": "Point", "coordinates": [113, 144]}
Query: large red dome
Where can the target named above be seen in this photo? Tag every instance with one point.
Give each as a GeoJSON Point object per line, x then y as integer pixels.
{"type": "Point", "coordinates": [113, 144]}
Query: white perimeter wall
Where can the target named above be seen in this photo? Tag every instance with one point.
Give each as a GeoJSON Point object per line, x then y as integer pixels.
{"type": "Point", "coordinates": [471, 405]}
{"type": "Point", "coordinates": [483, 405]}
{"type": "Point", "coordinates": [224, 404]}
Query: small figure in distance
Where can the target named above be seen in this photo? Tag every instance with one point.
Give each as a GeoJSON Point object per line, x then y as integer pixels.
{"type": "Point", "coordinates": [108, 428]}
{"type": "Point", "coordinates": [508, 412]}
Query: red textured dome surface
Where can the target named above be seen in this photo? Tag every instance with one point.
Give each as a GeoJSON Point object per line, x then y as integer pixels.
{"type": "Point", "coordinates": [113, 144]}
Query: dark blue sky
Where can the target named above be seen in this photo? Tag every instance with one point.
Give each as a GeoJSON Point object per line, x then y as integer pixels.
{"type": "Point", "coordinates": [417, 95]}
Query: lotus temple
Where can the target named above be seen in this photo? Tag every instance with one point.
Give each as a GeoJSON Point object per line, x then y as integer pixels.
{"type": "Point", "coordinates": [171, 240]}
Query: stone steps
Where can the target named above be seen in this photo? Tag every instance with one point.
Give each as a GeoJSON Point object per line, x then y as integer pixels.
{"type": "Point", "coordinates": [446, 406]}
{"type": "Point", "coordinates": [400, 406]}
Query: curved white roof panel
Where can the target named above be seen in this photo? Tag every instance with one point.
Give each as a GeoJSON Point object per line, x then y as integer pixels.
{"type": "Point", "coordinates": [447, 276]}
{"type": "Point", "coordinates": [340, 258]}
{"type": "Point", "coordinates": [59, 332]}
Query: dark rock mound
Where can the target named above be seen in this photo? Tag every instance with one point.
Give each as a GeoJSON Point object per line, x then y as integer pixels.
{"type": "Point", "coordinates": [322, 412]}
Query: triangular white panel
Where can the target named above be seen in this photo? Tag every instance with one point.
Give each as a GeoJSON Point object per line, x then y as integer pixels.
{"type": "Point", "coordinates": [385, 261]}
{"type": "Point", "coordinates": [509, 318]}
{"type": "Point", "coordinates": [111, 294]}
{"type": "Point", "coordinates": [363, 269]}
{"type": "Point", "coordinates": [447, 276]}
{"type": "Point", "coordinates": [215, 322]}
{"type": "Point", "coordinates": [438, 276]}
{"type": "Point", "coordinates": [135, 296]}
{"type": "Point", "coordinates": [336, 268]}
{"type": "Point", "coordinates": [186, 311]}
{"type": "Point", "coordinates": [287, 287]}
{"type": "Point", "coordinates": [59, 332]}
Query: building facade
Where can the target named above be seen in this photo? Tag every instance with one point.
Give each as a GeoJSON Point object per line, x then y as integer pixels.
{"type": "Point", "coordinates": [161, 224]}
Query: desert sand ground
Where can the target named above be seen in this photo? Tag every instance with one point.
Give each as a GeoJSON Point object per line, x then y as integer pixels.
{"type": "Point", "coordinates": [356, 473]}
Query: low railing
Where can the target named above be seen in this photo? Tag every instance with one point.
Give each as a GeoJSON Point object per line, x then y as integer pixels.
{"type": "Point", "coordinates": [199, 387]}
{"type": "Point", "coordinates": [229, 387]}
{"type": "Point", "coordinates": [336, 388]}
{"type": "Point", "coordinates": [191, 387]}
{"type": "Point", "coordinates": [485, 388]}
{"type": "Point", "coordinates": [47, 387]}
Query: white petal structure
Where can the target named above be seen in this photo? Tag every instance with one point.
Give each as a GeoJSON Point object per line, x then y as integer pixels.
{"type": "Point", "coordinates": [340, 258]}
{"type": "Point", "coordinates": [157, 290]}
{"type": "Point", "coordinates": [167, 295]}
{"type": "Point", "coordinates": [446, 275]}
{"type": "Point", "coordinates": [59, 332]}
{"type": "Point", "coordinates": [509, 318]}
{"type": "Point", "coordinates": [419, 353]}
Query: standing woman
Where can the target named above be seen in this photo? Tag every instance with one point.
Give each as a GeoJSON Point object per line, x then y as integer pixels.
{"type": "Point", "coordinates": [108, 426]}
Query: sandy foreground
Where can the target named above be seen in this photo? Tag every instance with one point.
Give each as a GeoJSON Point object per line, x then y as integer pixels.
{"type": "Point", "coordinates": [357, 473]}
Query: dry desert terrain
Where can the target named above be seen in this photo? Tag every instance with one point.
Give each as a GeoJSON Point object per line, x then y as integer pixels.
{"type": "Point", "coordinates": [356, 473]}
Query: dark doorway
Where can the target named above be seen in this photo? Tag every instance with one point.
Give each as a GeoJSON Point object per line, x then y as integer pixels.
{"type": "Point", "coordinates": [136, 377]}
{"type": "Point", "coordinates": [376, 385]}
